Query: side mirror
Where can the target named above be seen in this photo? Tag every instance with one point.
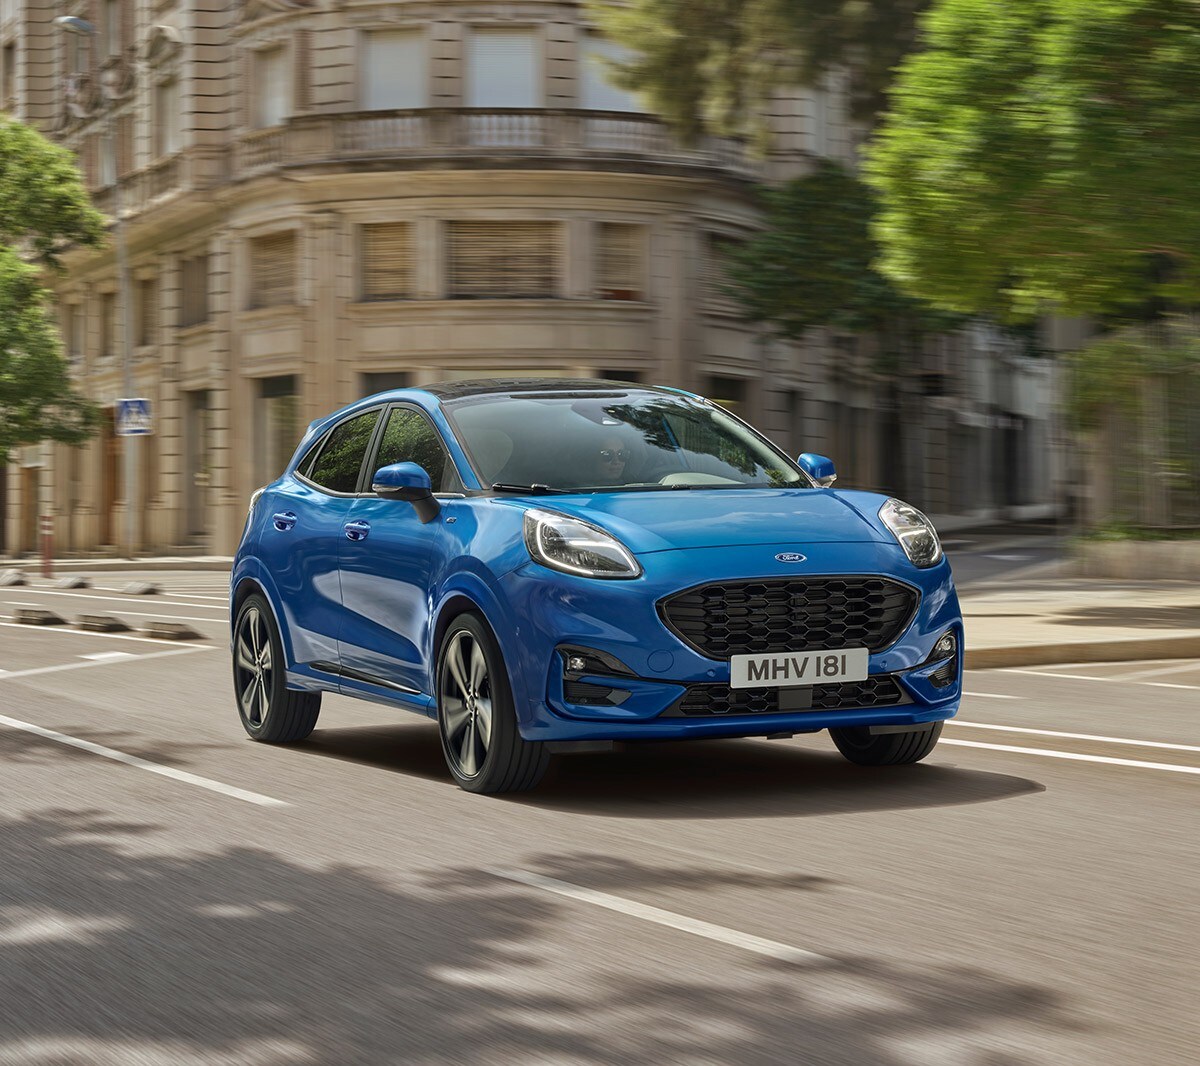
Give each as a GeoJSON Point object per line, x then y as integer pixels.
{"type": "Point", "coordinates": [408, 482]}
{"type": "Point", "coordinates": [819, 468]}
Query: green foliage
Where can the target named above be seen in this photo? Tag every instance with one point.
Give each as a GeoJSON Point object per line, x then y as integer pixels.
{"type": "Point", "coordinates": [1045, 153]}
{"type": "Point", "coordinates": [1106, 376]}
{"type": "Point", "coordinates": [712, 65]}
{"type": "Point", "coordinates": [43, 208]}
{"type": "Point", "coordinates": [811, 264]}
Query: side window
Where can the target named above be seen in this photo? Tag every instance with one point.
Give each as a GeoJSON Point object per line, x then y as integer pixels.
{"type": "Point", "coordinates": [408, 437]}
{"type": "Point", "coordinates": [306, 464]}
{"type": "Point", "coordinates": [345, 448]}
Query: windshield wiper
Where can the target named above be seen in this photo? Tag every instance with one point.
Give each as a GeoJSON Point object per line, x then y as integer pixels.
{"type": "Point", "coordinates": [536, 489]}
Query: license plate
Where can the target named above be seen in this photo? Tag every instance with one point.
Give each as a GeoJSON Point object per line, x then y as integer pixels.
{"type": "Point", "coordinates": [798, 668]}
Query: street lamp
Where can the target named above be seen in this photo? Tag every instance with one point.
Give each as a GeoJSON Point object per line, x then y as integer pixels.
{"type": "Point", "coordinates": [83, 28]}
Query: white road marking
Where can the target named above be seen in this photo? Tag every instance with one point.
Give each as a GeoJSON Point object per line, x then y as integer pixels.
{"type": "Point", "coordinates": [1009, 558]}
{"type": "Point", "coordinates": [992, 696]}
{"type": "Point", "coordinates": [169, 617]}
{"type": "Point", "coordinates": [13, 674]}
{"type": "Point", "coordinates": [1089, 677]}
{"type": "Point", "coordinates": [124, 599]}
{"type": "Point", "coordinates": [109, 656]}
{"type": "Point", "coordinates": [1177, 669]}
{"type": "Point", "coordinates": [1074, 736]}
{"type": "Point", "coordinates": [1076, 756]}
{"type": "Point", "coordinates": [67, 631]}
{"type": "Point", "coordinates": [143, 764]}
{"type": "Point", "coordinates": [771, 948]}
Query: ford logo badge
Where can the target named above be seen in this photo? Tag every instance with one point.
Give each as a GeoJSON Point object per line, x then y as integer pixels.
{"type": "Point", "coordinates": [791, 557]}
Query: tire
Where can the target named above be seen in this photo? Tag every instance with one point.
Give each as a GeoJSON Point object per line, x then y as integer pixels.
{"type": "Point", "coordinates": [476, 718]}
{"type": "Point", "coordinates": [269, 710]}
{"type": "Point", "coordinates": [886, 749]}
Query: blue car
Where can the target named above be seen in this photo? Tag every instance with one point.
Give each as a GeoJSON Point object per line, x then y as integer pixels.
{"type": "Point", "coordinates": [546, 566]}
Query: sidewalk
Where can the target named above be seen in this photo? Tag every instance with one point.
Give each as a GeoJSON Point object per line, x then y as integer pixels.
{"type": "Point", "coordinates": [1035, 617]}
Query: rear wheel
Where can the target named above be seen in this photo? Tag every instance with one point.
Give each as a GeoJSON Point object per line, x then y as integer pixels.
{"type": "Point", "coordinates": [476, 718]}
{"type": "Point", "coordinates": [859, 745]}
{"type": "Point", "coordinates": [269, 710]}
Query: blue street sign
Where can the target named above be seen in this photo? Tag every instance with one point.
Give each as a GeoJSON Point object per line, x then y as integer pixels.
{"type": "Point", "coordinates": [133, 417]}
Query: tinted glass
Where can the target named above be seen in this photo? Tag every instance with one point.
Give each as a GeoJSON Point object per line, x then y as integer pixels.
{"type": "Point", "coordinates": [621, 440]}
{"type": "Point", "coordinates": [340, 460]}
{"type": "Point", "coordinates": [409, 437]}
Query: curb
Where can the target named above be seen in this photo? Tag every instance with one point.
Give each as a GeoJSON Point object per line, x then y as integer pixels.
{"type": "Point", "coordinates": [207, 563]}
{"type": "Point", "coordinates": [1094, 651]}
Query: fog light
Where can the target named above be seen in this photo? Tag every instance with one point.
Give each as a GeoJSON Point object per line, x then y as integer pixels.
{"type": "Point", "coordinates": [576, 664]}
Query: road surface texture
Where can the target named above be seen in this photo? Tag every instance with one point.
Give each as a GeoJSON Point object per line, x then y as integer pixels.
{"type": "Point", "coordinates": [174, 894]}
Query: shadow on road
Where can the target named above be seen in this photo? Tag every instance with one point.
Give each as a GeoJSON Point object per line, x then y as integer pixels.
{"type": "Point", "coordinates": [117, 948]}
{"type": "Point", "coordinates": [697, 779]}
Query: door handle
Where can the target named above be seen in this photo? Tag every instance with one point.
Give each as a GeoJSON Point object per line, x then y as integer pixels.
{"type": "Point", "coordinates": [357, 530]}
{"type": "Point", "coordinates": [284, 521]}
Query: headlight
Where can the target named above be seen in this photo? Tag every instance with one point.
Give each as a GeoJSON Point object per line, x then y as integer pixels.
{"type": "Point", "coordinates": [914, 531]}
{"type": "Point", "coordinates": [576, 547]}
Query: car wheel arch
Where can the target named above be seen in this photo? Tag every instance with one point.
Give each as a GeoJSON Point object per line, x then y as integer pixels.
{"type": "Point", "coordinates": [247, 586]}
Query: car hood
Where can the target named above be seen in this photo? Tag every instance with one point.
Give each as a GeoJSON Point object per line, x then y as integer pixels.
{"type": "Point", "coordinates": [708, 518]}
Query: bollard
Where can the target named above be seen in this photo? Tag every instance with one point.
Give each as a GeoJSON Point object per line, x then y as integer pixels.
{"type": "Point", "coordinates": [47, 545]}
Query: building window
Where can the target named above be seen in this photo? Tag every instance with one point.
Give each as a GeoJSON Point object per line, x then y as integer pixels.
{"type": "Point", "coordinates": [503, 69]}
{"type": "Point", "coordinates": [503, 260]}
{"type": "Point", "coordinates": [386, 257]}
{"type": "Point", "coordinates": [383, 381]}
{"type": "Point", "coordinates": [147, 295]}
{"type": "Point", "coordinates": [111, 27]}
{"type": "Point", "coordinates": [394, 70]}
{"type": "Point", "coordinates": [596, 90]}
{"type": "Point", "coordinates": [278, 425]}
{"type": "Point", "coordinates": [108, 161]}
{"type": "Point", "coordinates": [194, 278]}
{"type": "Point", "coordinates": [273, 270]}
{"type": "Point", "coordinates": [619, 261]}
{"type": "Point", "coordinates": [9, 102]}
{"type": "Point", "coordinates": [728, 392]}
{"type": "Point", "coordinates": [168, 119]}
{"type": "Point", "coordinates": [272, 87]}
{"type": "Point", "coordinates": [716, 281]}
{"type": "Point", "coordinates": [108, 325]}
{"type": "Point", "coordinates": [71, 333]}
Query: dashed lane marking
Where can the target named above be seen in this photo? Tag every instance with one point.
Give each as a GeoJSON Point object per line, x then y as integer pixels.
{"type": "Point", "coordinates": [1090, 677]}
{"type": "Point", "coordinates": [143, 764]}
{"type": "Point", "coordinates": [109, 656]}
{"type": "Point", "coordinates": [1074, 736]}
{"type": "Point", "coordinates": [746, 941]}
{"type": "Point", "coordinates": [992, 696]}
{"type": "Point", "coordinates": [1159, 671]}
{"type": "Point", "coordinates": [12, 675]}
{"type": "Point", "coordinates": [1076, 756]}
{"type": "Point", "coordinates": [83, 595]}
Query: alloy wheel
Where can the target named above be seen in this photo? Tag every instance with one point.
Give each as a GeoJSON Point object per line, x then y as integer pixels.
{"type": "Point", "coordinates": [254, 667]}
{"type": "Point", "coordinates": [465, 703]}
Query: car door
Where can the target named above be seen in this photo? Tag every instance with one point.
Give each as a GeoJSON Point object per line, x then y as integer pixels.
{"type": "Point", "coordinates": [302, 532]}
{"type": "Point", "coordinates": [389, 561]}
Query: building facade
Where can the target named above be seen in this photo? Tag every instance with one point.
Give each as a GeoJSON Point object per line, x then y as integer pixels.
{"type": "Point", "coordinates": [325, 198]}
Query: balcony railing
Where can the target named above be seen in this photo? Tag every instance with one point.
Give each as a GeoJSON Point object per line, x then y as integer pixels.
{"type": "Point", "coordinates": [188, 171]}
{"type": "Point", "coordinates": [606, 138]}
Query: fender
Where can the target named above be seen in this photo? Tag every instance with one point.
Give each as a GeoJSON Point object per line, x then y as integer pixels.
{"type": "Point", "coordinates": [249, 568]}
{"type": "Point", "coordinates": [478, 584]}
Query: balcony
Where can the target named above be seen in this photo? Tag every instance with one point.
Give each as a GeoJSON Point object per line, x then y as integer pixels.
{"type": "Point", "coordinates": [189, 171]}
{"type": "Point", "coordinates": [603, 140]}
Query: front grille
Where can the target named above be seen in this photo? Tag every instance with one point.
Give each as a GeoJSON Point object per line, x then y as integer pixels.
{"type": "Point", "coordinates": [707, 701]}
{"type": "Point", "coordinates": [790, 614]}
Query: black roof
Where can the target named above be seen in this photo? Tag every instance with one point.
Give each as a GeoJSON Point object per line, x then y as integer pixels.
{"type": "Point", "coordinates": [458, 390]}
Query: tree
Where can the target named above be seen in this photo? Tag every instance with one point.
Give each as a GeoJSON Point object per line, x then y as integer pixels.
{"type": "Point", "coordinates": [710, 66]}
{"type": "Point", "coordinates": [1045, 154]}
{"type": "Point", "coordinates": [43, 209]}
{"type": "Point", "coordinates": [811, 266]}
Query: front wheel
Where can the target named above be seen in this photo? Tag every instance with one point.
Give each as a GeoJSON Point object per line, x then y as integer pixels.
{"type": "Point", "coordinates": [476, 719]}
{"type": "Point", "coordinates": [270, 711]}
{"type": "Point", "coordinates": [860, 746]}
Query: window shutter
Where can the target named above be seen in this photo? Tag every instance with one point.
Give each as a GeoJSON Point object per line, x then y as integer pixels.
{"type": "Point", "coordinates": [619, 261]}
{"type": "Point", "coordinates": [503, 69]}
{"type": "Point", "coordinates": [715, 276]}
{"type": "Point", "coordinates": [387, 269]}
{"type": "Point", "coordinates": [395, 72]}
{"type": "Point", "coordinates": [503, 260]}
{"type": "Point", "coordinates": [273, 270]}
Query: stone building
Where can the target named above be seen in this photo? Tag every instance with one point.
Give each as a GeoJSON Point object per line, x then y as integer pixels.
{"type": "Point", "coordinates": [324, 198]}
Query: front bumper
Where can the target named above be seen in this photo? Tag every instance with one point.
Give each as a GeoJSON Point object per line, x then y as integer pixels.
{"type": "Point", "coordinates": [662, 674]}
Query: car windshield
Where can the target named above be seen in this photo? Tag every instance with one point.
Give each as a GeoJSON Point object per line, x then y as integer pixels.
{"type": "Point", "coordinates": [614, 441]}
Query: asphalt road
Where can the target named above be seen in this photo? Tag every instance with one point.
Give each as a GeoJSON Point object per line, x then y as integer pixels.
{"type": "Point", "coordinates": [1028, 895]}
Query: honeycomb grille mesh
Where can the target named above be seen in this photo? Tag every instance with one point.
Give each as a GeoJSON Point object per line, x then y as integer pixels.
{"type": "Point", "coordinates": [790, 614]}
{"type": "Point", "coordinates": [707, 701]}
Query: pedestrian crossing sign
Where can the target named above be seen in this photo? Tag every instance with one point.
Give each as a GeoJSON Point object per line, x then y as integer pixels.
{"type": "Point", "coordinates": [133, 417]}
